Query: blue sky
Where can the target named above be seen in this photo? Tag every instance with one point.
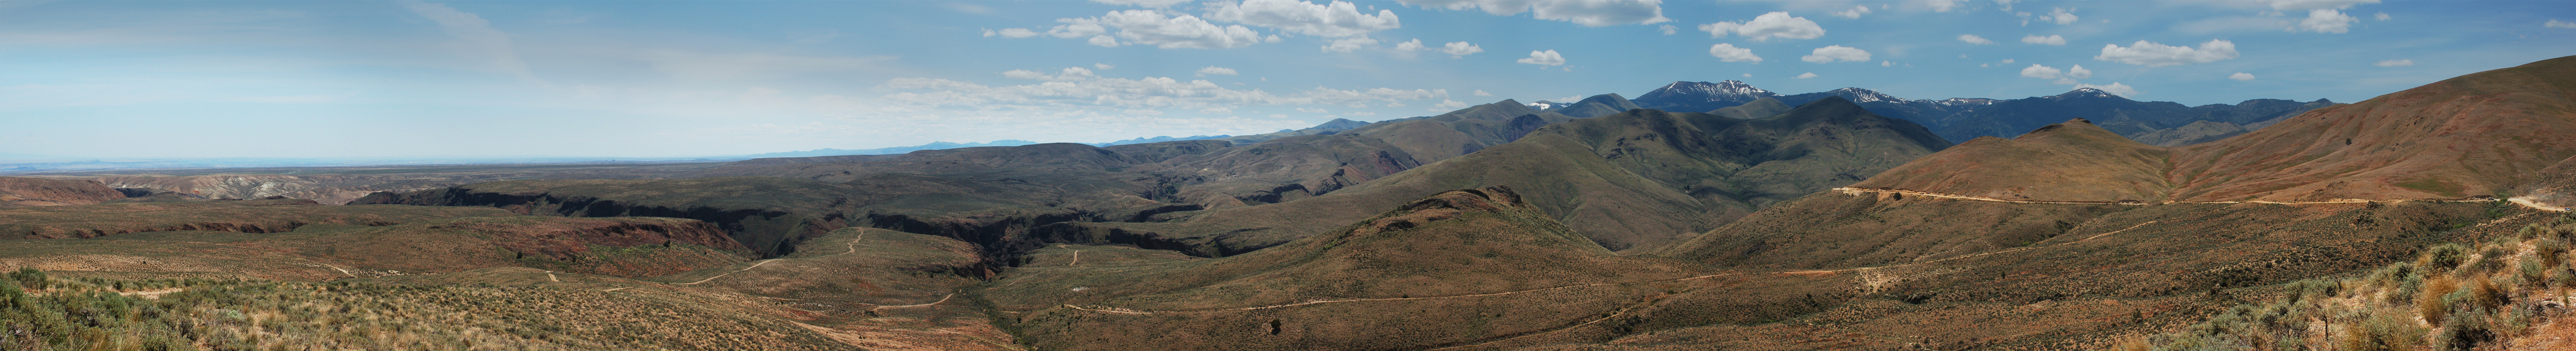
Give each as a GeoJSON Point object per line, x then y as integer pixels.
{"type": "Point", "coordinates": [703, 78]}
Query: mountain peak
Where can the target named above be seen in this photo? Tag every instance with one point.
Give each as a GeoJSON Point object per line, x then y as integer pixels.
{"type": "Point", "coordinates": [2086, 92]}
{"type": "Point", "coordinates": [1858, 95]}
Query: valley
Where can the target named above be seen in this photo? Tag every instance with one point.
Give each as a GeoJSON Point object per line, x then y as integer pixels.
{"type": "Point", "coordinates": [1697, 216]}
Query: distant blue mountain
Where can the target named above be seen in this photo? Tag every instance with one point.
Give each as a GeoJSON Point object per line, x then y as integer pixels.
{"type": "Point", "coordinates": [892, 150]}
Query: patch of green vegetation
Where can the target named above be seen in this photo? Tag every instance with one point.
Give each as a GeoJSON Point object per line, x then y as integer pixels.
{"type": "Point", "coordinates": [2451, 297]}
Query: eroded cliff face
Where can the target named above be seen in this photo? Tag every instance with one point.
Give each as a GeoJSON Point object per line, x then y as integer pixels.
{"type": "Point", "coordinates": [330, 189]}
{"type": "Point", "coordinates": [17, 191]}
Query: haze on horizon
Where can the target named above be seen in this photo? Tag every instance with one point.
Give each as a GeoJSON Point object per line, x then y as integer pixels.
{"type": "Point", "coordinates": [704, 78]}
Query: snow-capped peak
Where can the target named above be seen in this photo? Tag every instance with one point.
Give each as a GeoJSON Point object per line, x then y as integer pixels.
{"type": "Point", "coordinates": [1859, 95]}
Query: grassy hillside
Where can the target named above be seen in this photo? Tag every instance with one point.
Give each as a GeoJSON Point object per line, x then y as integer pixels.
{"type": "Point", "coordinates": [2071, 161]}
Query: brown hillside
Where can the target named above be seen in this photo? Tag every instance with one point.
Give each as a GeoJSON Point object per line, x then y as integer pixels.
{"type": "Point", "coordinates": [2477, 134]}
{"type": "Point", "coordinates": [18, 191]}
{"type": "Point", "coordinates": [2071, 161]}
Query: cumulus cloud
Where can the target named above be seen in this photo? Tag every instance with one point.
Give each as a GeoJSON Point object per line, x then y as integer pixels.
{"type": "Point", "coordinates": [2060, 15]}
{"type": "Point", "coordinates": [1853, 13]}
{"type": "Point", "coordinates": [2327, 21]}
{"type": "Point", "coordinates": [2554, 23]}
{"type": "Point", "coordinates": [2295, 5]}
{"type": "Point", "coordinates": [2241, 76]}
{"type": "Point", "coordinates": [1216, 110]}
{"type": "Point", "coordinates": [1103, 66]}
{"type": "Point", "coordinates": [2115, 88]}
{"type": "Point", "coordinates": [2042, 72]}
{"type": "Point", "coordinates": [1483, 93]}
{"type": "Point", "coordinates": [1589, 13]}
{"type": "Point", "coordinates": [1668, 29]}
{"type": "Point", "coordinates": [1974, 39]}
{"type": "Point", "coordinates": [1146, 27]}
{"type": "Point", "coordinates": [1335, 20]}
{"type": "Point", "coordinates": [1729, 53]}
{"type": "Point", "coordinates": [1415, 45]}
{"type": "Point", "coordinates": [1449, 105]}
{"type": "Point", "coordinates": [2078, 72]}
{"type": "Point", "coordinates": [2047, 40]}
{"type": "Point", "coordinates": [1943, 5]}
{"type": "Point", "coordinates": [1460, 49]}
{"type": "Point", "coordinates": [1348, 44]}
{"type": "Point", "coordinates": [1143, 3]}
{"type": "Point", "coordinates": [1544, 58]}
{"type": "Point", "coordinates": [1216, 71]}
{"type": "Point", "coordinates": [2383, 16]}
{"type": "Point", "coordinates": [1767, 26]}
{"type": "Point", "coordinates": [1312, 110]}
{"type": "Point", "coordinates": [1836, 53]}
{"type": "Point", "coordinates": [2151, 54]}
{"type": "Point", "coordinates": [2395, 63]}
{"type": "Point", "coordinates": [1804, 75]}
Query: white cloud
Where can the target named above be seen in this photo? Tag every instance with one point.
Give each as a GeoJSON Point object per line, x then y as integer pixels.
{"type": "Point", "coordinates": [1312, 110]}
{"type": "Point", "coordinates": [1348, 44]}
{"type": "Point", "coordinates": [2042, 72]}
{"type": "Point", "coordinates": [1460, 49]}
{"type": "Point", "coordinates": [1068, 74]}
{"type": "Point", "coordinates": [1039, 105]}
{"type": "Point", "coordinates": [1589, 13]}
{"type": "Point", "coordinates": [1450, 104]}
{"type": "Point", "coordinates": [2061, 16]}
{"type": "Point", "coordinates": [1142, 112]}
{"type": "Point", "coordinates": [1147, 27]}
{"type": "Point", "coordinates": [2007, 4]}
{"type": "Point", "coordinates": [2115, 88]}
{"type": "Point", "coordinates": [2008, 61]}
{"type": "Point", "coordinates": [1415, 45]}
{"type": "Point", "coordinates": [1544, 58]}
{"type": "Point", "coordinates": [1103, 66]}
{"type": "Point", "coordinates": [1361, 114]}
{"type": "Point", "coordinates": [1216, 110]}
{"type": "Point", "coordinates": [1767, 26]}
{"type": "Point", "coordinates": [1836, 53]}
{"type": "Point", "coordinates": [1804, 75]}
{"type": "Point", "coordinates": [1335, 20]}
{"type": "Point", "coordinates": [2383, 16]}
{"type": "Point", "coordinates": [1943, 5]}
{"type": "Point", "coordinates": [1729, 53]}
{"type": "Point", "coordinates": [1974, 39]}
{"type": "Point", "coordinates": [2554, 23]}
{"type": "Point", "coordinates": [1853, 13]}
{"type": "Point", "coordinates": [1143, 3]}
{"type": "Point", "coordinates": [2327, 21]}
{"type": "Point", "coordinates": [1887, 63]}
{"type": "Point", "coordinates": [2395, 63]}
{"type": "Point", "coordinates": [1748, 75]}
{"type": "Point", "coordinates": [1668, 29]}
{"type": "Point", "coordinates": [2159, 55]}
{"type": "Point", "coordinates": [1216, 71]}
{"type": "Point", "coordinates": [2047, 40]}
{"type": "Point", "coordinates": [2242, 76]}
{"type": "Point", "coordinates": [1014, 33]}
{"type": "Point", "coordinates": [2295, 5]}
{"type": "Point", "coordinates": [1483, 93]}
{"type": "Point", "coordinates": [2078, 72]}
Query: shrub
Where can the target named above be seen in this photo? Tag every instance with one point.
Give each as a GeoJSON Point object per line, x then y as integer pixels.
{"type": "Point", "coordinates": [2442, 258]}
{"type": "Point", "coordinates": [2384, 332]}
{"type": "Point", "coordinates": [2550, 251]}
{"type": "Point", "coordinates": [2469, 328]}
{"type": "Point", "coordinates": [2434, 300]}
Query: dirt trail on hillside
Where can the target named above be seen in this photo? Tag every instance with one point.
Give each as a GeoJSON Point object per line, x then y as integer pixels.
{"type": "Point", "coordinates": [2526, 201]}
{"type": "Point", "coordinates": [853, 246]}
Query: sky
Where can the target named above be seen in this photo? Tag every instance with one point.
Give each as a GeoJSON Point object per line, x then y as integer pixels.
{"type": "Point", "coordinates": [713, 78]}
